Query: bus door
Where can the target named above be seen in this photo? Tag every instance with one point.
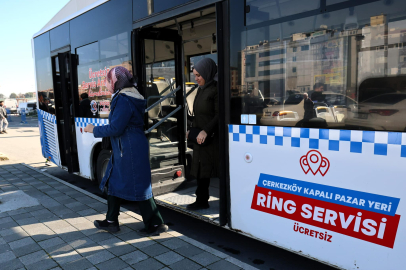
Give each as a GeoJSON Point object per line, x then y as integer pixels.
{"type": "Point", "coordinates": [159, 70]}
{"type": "Point", "coordinates": [64, 69]}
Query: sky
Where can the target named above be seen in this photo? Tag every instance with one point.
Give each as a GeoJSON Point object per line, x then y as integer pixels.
{"type": "Point", "coordinates": [19, 21]}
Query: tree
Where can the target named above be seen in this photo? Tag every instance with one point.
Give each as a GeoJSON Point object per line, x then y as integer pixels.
{"type": "Point", "coordinates": [13, 95]}
{"type": "Point", "coordinates": [1, 96]}
{"type": "Point", "coordinates": [29, 95]}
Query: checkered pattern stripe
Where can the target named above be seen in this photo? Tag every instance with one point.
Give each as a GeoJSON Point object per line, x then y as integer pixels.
{"type": "Point", "coordinates": [47, 116]}
{"type": "Point", "coordinates": [353, 141]}
{"type": "Point", "coordinates": [83, 122]}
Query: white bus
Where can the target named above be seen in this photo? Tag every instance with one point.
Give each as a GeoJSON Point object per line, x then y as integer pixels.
{"type": "Point", "coordinates": [321, 177]}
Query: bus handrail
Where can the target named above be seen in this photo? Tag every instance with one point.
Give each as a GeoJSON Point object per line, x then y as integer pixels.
{"type": "Point", "coordinates": [163, 119]}
{"type": "Point", "coordinates": [162, 99]}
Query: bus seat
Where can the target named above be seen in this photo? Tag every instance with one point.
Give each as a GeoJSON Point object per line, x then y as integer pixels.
{"type": "Point", "coordinates": [191, 98]}
{"type": "Point", "coordinates": [152, 90]}
{"type": "Point", "coordinates": [164, 89]}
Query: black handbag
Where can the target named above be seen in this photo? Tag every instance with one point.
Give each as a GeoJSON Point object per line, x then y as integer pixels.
{"type": "Point", "coordinates": [106, 143]}
{"type": "Point", "coordinates": [194, 132]}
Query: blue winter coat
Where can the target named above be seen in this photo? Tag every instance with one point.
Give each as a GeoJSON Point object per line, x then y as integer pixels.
{"type": "Point", "coordinates": [128, 172]}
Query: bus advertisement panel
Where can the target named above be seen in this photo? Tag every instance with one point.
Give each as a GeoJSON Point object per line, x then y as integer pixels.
{"type": "Point", "coordinates": [331, 204]}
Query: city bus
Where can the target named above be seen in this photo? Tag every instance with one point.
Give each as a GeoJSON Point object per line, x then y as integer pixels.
{"type": "Point", "coordinates": [312, 112]}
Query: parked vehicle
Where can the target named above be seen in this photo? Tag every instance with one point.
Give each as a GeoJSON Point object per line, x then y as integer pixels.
{"type": "Point", "coordinates": [332, 108]}
{"type": "Point", "coordinates": [11, 104]}
{"type": "Point", "coordinates": [382, 112]}
{"type": "Point", "coordinates": [30, 107]}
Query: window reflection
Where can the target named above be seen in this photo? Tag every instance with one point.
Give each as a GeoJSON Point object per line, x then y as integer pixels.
{"type": "Point", "coordinates": [114, 46]}
{"type": "Point", "coordinates": [88, 53]}
{"type": "Point", "coordinates": [264, 10]}
{"type": "Point", "coordinates": [43, 68]}
{"type": "Point", "coordinates": [343, 69]}
{"type": "Point", "coordinates": [93, 94]}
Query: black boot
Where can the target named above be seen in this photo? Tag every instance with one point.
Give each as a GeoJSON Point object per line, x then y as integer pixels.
{"type": "Point", "coordinates": [107, 226]}
{"type": "Point", "coordinates": [153, 231]}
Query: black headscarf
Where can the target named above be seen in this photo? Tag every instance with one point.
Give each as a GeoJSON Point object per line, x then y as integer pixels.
{"type": "Point", "coordinates": [207, 68]}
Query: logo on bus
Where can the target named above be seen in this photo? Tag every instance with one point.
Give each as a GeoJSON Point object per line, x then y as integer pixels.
{"type": "Point", "coordinates": [94, 107]}
{"type": "Point", "coordinates": [313, 161]}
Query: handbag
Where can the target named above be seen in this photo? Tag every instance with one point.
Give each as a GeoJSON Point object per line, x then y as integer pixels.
{"type": "Point", "coordinates": [106, 143]}
{"type": "Point", "coordinates": [194, 132]}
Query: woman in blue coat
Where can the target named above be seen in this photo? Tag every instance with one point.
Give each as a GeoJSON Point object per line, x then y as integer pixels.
{"type": "Point", "coordinates": [128, 173]}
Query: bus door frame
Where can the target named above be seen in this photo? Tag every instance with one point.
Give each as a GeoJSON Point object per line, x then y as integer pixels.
{"type": "Point", "coordinates": [139, 37]}
{"type": "Point", "coordinates": [68, 91]}
{"type": "Point", "coordinates": [223, 54]}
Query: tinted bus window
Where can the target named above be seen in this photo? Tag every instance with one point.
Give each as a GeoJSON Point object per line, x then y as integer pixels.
{"type": "Point", "coordinates": [115, 45]}
{"type": "Point", "coordinates": [92, 86]}
{"type": "Point", "coordinates": [60, 36]}
{"type": "Point", "coordinates": [161, 5]}
{"type": "Point", "coordinates": [346, 61]}
{"type": "Point", "coordinates": [265, 10]}
{"type": "Point", "coordinates": [88, 53]}
{"type": "Point", "coordinates": [140, 9]}
{"type": "Point", "coordinates": [43, 69]}
{"type": "Point", "coordinates": [107, 20]}
{"type": "Point", "coordinates": [92, 71]}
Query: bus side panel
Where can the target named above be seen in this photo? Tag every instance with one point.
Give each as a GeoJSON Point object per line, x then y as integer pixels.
{"type": "Point", "coordinates": [86, 142]}
{"type": "Point", "coordinates": [49, 137]}
{"type": "Point", "coordinates": [336, 196]}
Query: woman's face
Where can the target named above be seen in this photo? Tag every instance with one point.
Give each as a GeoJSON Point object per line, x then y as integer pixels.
{"type": "Point", "coordinates": [109, 86]}
{"type": "Point", "coordinates": [199, 79]}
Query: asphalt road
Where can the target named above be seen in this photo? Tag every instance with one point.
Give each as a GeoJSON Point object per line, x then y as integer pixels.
{"type": "Point", "coordinates": [22, 145]}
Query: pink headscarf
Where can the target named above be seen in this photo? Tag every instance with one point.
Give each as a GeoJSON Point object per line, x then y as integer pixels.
{"type": "Point", "coordinates": [120, 78]}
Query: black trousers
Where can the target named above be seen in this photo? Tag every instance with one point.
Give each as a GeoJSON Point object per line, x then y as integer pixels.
{"type": "Point", "coordinates": [149, 211]}
{"type": "Point", "coordinates": [202, 191]}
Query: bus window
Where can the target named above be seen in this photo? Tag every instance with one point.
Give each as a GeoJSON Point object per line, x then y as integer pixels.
{"type": "Point", "coordinates": [114, 46]}
{"type": "Point", "coordinates": [344, 60]}
{"type": "Point", "coordinates": [44, 73]}
{"type": "Point", "coordinates": [265, 10]}
{"type": "Point", "coordinates": [95, 60]}
{"type": "Point", "coordinates": [94, 97]}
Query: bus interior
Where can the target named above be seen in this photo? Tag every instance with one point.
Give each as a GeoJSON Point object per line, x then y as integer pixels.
{"type": "Point", "coordinates": [197, 34]}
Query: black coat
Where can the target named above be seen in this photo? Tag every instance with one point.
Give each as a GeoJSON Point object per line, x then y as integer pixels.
{"type": "Point", "coordinates": [206, 158]}
{"type": "Point", "coordinates": [308, 109]}
{"type": "Point", "coordinates": [84, 106]}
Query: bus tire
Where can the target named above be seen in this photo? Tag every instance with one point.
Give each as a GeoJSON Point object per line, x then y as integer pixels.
{"type": "Point", "coordinates": [101, 166]}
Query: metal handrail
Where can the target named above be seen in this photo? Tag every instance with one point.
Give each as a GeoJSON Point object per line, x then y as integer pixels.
{"type": "Point", "coordinates": [167, 88]}
{"type": "Point", "coordinates": [163, 119]}
{"type": "Point", "coordinates": [162, 99]}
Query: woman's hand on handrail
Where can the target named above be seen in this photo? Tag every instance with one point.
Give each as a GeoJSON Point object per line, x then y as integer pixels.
{"type": "Point", "coordinates": [89, 128]}
{"type": "Point", "coordinates": [201, 137]}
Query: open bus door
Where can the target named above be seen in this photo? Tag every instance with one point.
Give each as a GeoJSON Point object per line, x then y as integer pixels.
{"type": "Point", "coordinates": [64, 78]}
{"type": "Point", "coordinates": [159, 55]}
{"type": "Point", "coordinates": [164, 117]}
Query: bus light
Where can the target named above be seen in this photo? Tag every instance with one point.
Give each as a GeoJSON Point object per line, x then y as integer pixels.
{"type": "Point", "coordinates": [178, 174]}
{"type": "Point", "coordinates": [383, 112]}
{"type": "Point", "coordinates": [276, 113]}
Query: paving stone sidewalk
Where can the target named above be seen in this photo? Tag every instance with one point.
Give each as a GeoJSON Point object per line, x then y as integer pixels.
{"type": "Point", "coordinates": [58, 233]}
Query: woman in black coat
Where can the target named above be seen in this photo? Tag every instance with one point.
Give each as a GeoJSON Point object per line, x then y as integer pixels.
{"type": "Point", "coordinates": [205, 109]}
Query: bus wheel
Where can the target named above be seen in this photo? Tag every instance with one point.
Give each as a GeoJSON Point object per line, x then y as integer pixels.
{"type": "Point", "coordinates": [102, 162]}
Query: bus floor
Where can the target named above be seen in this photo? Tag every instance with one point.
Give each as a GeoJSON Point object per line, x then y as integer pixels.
{"type": "Point", "coordinates": [178, 200]}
